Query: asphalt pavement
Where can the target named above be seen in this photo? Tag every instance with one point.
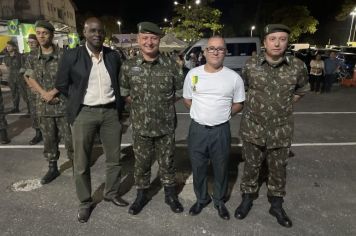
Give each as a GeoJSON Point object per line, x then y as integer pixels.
{"type": "Point", "coordinates": [321, 193]}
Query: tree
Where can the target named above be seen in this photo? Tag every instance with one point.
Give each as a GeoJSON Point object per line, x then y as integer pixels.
{"type": "Point", "coordinates": [298, 18]}
{"type": "Point", "coordinates": [347, 7]}
{"type": "Point", "coordinates": [193, 22]}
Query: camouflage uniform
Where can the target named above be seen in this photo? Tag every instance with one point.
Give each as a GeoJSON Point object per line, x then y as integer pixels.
{"type": "Point", "coordinates": [52, 116]}
{"type": "Point", "coordinates": [32, 96]}
{"type": "Point", "coordinates": [267, 121]}
{"type": "Point", "coordinates": [152, 86]}
{"type": "Point", "coordinates": [16, 82]}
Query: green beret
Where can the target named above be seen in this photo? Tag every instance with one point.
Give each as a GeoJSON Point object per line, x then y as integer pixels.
{"type": "Point", "coordinates": [44, 24]}
{"type": "Point", "coordinates": [272, 28]}
{"type": "Point", "coordinates": [149, 27]}
{"type": "Point", "coordinates": [12, 43]}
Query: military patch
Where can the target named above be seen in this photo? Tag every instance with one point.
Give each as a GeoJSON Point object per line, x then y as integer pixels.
{"type": "Point", "coordinates": [135, 70]}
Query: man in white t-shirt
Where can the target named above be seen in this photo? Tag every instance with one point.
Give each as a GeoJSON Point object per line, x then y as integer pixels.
{"type": "Point", "coordinates": [213, 93]}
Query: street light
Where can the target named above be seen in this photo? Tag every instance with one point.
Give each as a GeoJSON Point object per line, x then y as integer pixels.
{"type": "Point", "coordinates": [353, 13]}
{"type": "Point", "coordinates": [119, 23]}
{"type": "Point", "coordinates": [252, 29]}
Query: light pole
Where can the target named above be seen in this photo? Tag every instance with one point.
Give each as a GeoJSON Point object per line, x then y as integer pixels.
{"type": "Point", "coordinates": [353, 13]}
{"type": "Point", "coordinates": [119, 23]}
{"type": "Point", "coordinates": [252, 29]}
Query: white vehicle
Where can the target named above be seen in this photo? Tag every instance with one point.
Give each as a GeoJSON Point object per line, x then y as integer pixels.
{"type": "Point", "coordinates": [238, 51]}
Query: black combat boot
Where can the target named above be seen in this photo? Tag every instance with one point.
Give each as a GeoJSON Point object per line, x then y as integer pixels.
{"type": "Point", "coordinates": [171, 199]}
{"type": "Point", "coordinates": [37, 138]}
{"type": "Point", "coordinates": [51, 174]}
{"type": "Point", "coordinates": [4, 138]}
{"type": "Point", "coordinates": [277, 211]}
{"type": "Point", "coordinates": [140, 201]}
{"type": "Point", "coordinates": [245, 206]}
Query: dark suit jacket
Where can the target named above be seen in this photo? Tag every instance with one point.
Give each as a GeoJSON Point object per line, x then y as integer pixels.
{"type": "Point", "coordinates": [73, 75]}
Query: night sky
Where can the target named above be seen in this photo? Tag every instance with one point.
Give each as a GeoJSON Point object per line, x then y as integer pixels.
{"type": "Point", "coordinates": [131, 12]}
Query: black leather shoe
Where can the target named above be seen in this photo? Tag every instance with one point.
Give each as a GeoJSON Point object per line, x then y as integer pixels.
{"type": "Point", "coordinates": [51, 174]}
{"type": "Point", "coordinates": [244, 208]}
{"type": "Point", "coordinates": [139, 203]}
{"type": "Point", "coordinates": [223, 212]}
{"type": "Point", "coordinates": [84, 214]}
{"type": "Point", "coordinates": [281, 216]}
{"type": "Point", "coordinates": [174, 203]}
{"type": "Point", "coordinates": [118, 201]}
{"type": "Point", "coordinates": [37, 138]}
{"type": "Point", "coordinates": [197, 208]}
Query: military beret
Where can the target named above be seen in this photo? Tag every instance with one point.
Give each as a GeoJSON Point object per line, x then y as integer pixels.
{"type": "Point", "coordinates": [149, 27]}
{"type": "Point", "coordinates": [12, 43]}
{"type": "Point", "coordinates": [272, 28]}
{"type": "Point", "coordinates": [32, 36]}
{"type": "Point", "coordinates": [44, 24]}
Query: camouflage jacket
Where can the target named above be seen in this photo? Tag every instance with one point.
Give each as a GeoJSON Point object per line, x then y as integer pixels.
{"type": "Point", "coordinates": [13, 63]}
{"type": "Point", "coordinates": [151, 86]}
{"type": "Point", "coordinates": [267, 117]}
{"type": "Point", "coordinates": [43, 68]}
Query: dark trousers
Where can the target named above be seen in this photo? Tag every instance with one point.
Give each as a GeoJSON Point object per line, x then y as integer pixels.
{"type": "Point", "coordinates": [209, 144]}
{"type": "Point", "coordinates": [329, 80]}
{"type": "Point", "coordinates": [87, 124]}
{"type": "Point", "coordinates": [315, 82]}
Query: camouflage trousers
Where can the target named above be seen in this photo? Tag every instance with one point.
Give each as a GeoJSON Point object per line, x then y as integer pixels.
{"type": "Point", "coordinates": [32, 105]}
{"type": "Point", "coordinates": [145, 149]}
{"type": "Point", "coordinates": [18, 86]}
{"type": "Point", "coordinates": [3, 122]}
{"type": "Point", "coordinates": [276, 158]}
{"type": "Point", "coordinates": [53, 130]}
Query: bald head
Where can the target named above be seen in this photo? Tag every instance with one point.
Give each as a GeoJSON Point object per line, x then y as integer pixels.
{"type": "Point", "coordinates": [94, 34]}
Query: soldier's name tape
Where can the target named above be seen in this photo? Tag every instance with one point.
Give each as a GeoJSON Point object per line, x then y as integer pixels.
{"type": "Point", "coordinates": [185, 145]}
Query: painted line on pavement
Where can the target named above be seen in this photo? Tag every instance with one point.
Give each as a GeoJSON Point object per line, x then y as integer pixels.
{"type": "Point", "coordinates": [185, 145]}
{"type": "Point", "coordinates": [303, 113]}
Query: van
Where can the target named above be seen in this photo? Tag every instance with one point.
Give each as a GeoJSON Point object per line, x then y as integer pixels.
{"type": "Point", "coordinates": [238, 51]}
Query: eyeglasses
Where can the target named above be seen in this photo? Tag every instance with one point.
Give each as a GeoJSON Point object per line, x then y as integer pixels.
{"type": "Point", "coordinates": [213, 50]}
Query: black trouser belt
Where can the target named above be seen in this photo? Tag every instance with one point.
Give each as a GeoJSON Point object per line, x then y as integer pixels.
{"type": "Point", "coordinates": [210, 127]}
{"type": "Point", "coordinates": [108, 105]}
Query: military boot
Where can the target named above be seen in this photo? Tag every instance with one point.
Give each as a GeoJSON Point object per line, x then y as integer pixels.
{"type": "Point", "coordinates": [140, 201]}
{"type": "Point", "coordinates": [37, 138]}
{"type": "Point", "coordinates": [51, 174]}
{"type": "Point", "coordinates": [245, 206]}
{"type": "Point", "coordinates": [277, 211]}
{"type": "Point", "coordinates": [171, 199]}
{"type": "Point", "coordinates": [4, 138]}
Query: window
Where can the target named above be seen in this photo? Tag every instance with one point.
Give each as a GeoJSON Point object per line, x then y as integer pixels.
{"type": "Point", "coordinates": [240, 49]}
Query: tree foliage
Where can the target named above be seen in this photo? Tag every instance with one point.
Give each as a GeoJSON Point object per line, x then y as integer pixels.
{"type": "Point", "coordinates": [347, 7]}
{"type": "Point", "coordinates": [192, 22]}
{"type": "Point", "coordinates": [298, 18]}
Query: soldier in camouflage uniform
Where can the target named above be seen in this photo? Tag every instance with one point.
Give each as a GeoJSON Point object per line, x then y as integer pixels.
{"type": "Point", "coordinates": [41, 70]}
{"type": "Point", "coordinates": [3, 123]}
{"type": "Point", "coordinates": [33, 44]}
{"type": "Point", "coordinates": [17, 85]}
{"type": "Point", "coordinates": [149, 81]}
{"type": "Point", "coordinates": [275, 82]}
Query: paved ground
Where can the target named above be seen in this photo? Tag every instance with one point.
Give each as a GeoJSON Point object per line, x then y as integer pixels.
{"type": "Point", "coordinates": [321, 194]}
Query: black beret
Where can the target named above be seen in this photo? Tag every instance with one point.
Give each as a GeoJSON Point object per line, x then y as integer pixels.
{"type": "Point", "coordinates": [272, 28]}
{"type": "Point", "coordinates": [12, 43]}
{"type": "Point", "coordinates": [32, 36]}
{"type": "Point", "coordinates": [44, 24]}
{"type": "Point", "coordinates": [149, 27]}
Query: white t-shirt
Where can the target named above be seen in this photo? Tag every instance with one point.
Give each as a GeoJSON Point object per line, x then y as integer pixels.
{"type": "Point", "coordinates": [212, 94]}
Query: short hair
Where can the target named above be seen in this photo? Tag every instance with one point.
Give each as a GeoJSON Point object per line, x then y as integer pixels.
{"type": "Point", "coordinates": [217, 36]}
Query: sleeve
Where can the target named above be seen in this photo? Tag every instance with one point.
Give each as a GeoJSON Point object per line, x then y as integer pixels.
{"type": "Point", "coordinates": [28, 67]}
{"type": "Point", "coordinates": [124, 81]}
{"type": "Point", "coordinates": [302, 85]}
{"type": "Point", "coordinates": [244, 74]}
{"type": "Point", "coordinates": [239, 90]}
{"type": "Point", "coordinates": [179, 76]}
{"type": "Point", "coordinates": [63, 78]}
{"type": "Point", "coordinates": [187, 87]}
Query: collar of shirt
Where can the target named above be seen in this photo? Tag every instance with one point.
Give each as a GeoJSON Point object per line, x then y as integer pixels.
{"type": "Point", "coordinates": [54, 54]}
{"type": "Point", "coordinates": [261, 59]}
{"type": "Point", "coordinates": [140, 60]}
{"type": "Point", "coordinates": [91, 54]}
